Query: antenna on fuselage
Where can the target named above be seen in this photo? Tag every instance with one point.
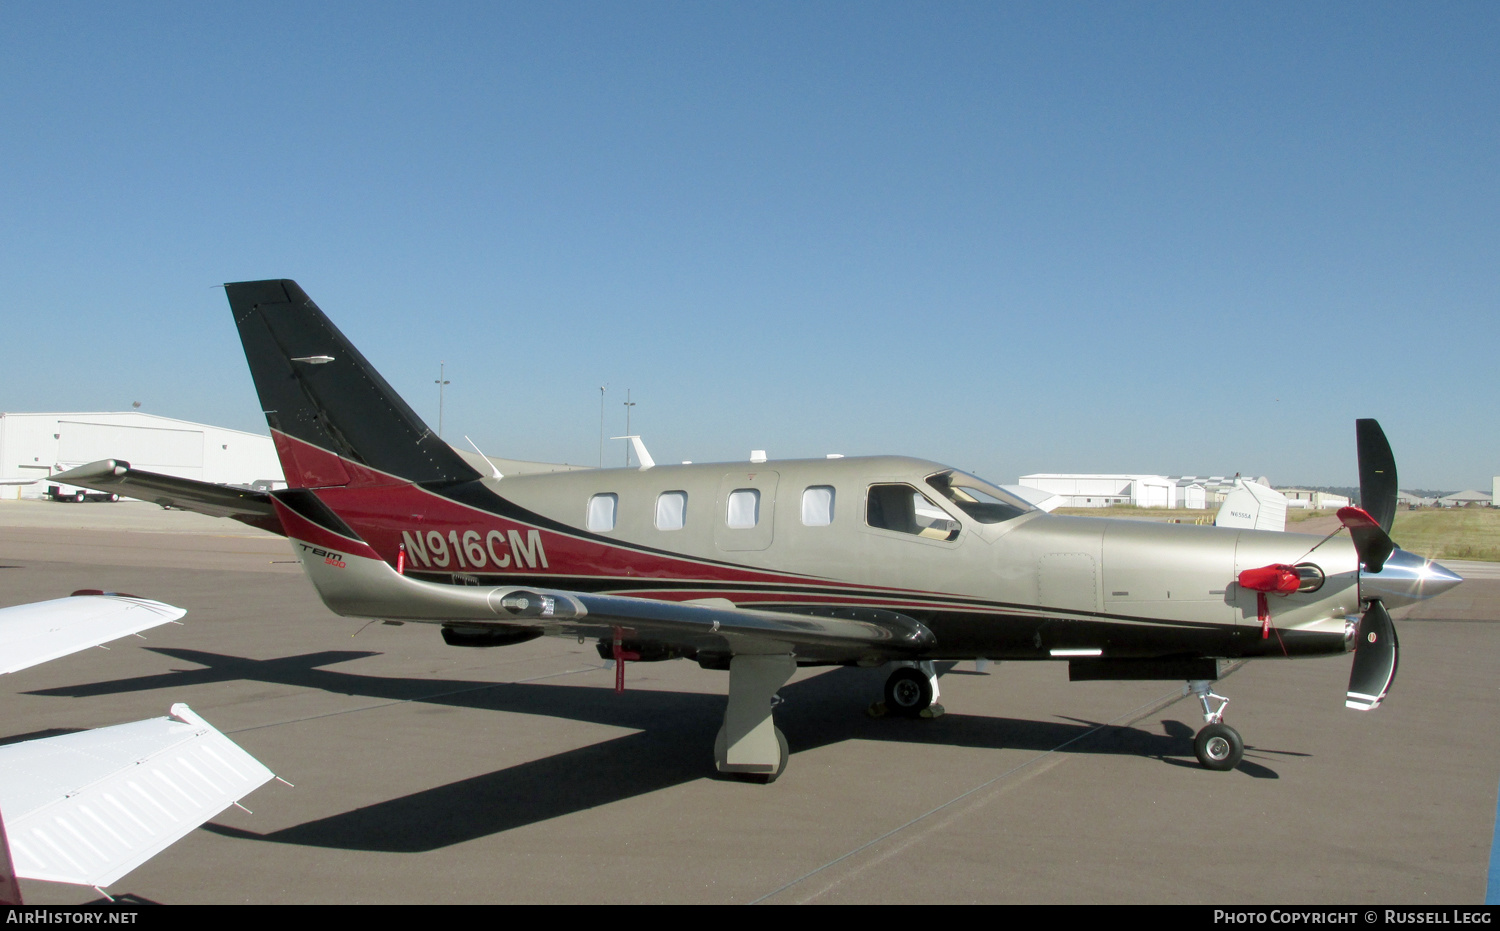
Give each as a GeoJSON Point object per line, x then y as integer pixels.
{"type": "Point", "coordinates": [494, 472]}
{"type": "Point", "coordinates": [640, 450]}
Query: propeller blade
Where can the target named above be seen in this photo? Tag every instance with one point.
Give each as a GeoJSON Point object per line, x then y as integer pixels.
{"type": "Point", "coordinates": [1377, 473]}
{"type": "Point", "coordinates": [1372, 543]}
{"type": "Point", "coordinates": [1375, 660]}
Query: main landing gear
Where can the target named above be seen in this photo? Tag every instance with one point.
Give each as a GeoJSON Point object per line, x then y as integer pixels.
{"type": "Point", "coordinates": [1218, 746]}
{"type": "Point", "coordinates": [750, 746]}
{"type": "Point", "coordinates": [910, 692]}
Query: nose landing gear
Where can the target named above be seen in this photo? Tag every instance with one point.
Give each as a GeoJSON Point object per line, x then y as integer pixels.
{"type": "Point", "coordinates": [1217, 746]}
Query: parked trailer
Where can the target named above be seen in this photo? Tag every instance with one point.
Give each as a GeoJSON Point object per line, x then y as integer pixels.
{"type": "Point", "coordinates": [79, 495]}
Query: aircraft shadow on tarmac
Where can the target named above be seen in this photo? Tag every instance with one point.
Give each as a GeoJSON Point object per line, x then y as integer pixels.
{"type": "Point", "coordinates": [672, 732]}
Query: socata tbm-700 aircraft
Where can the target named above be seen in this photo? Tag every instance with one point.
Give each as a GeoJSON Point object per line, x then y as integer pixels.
{"type": "Point", "coordinates": [758, 568]}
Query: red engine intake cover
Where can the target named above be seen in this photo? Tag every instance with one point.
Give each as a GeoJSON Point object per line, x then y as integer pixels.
{"type": "Point", "coordinates": [1279, 578]}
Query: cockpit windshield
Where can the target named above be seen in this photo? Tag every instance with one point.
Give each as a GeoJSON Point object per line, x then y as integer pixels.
{"type": "Point", "coordinates": [978, 498]}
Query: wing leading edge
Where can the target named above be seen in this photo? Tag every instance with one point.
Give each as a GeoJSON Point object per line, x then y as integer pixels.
{"type": "Point", "coordinates": [35, 633]}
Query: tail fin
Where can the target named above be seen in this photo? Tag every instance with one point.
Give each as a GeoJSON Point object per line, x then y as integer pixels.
{"type": "Point", "coordinates": [335, 421]}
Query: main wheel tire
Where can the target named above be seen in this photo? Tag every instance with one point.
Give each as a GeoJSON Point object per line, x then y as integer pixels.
{"type": "Point", "coordinates": [1219, 747]}
{"type": "Point", "coordinates": [78, 497]}
{"type": "Point", "coordinates": [764, 779]}
{"type": "Point", "coordinates": [908, 692]}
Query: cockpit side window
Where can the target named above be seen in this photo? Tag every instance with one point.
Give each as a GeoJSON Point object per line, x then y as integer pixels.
{"type": "Point", "coordinates": [978, 498]}
{"type": "Point", "coordinates": [902, 508]}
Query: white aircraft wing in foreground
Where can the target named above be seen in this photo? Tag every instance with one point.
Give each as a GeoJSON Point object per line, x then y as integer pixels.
{"type": "Point", "coordinates": [90, 807]}
{"type": "Point", "coordinates": [35, 633]}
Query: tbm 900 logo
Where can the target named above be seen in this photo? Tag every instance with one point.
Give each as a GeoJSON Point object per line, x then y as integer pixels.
{"type": "Point", "coordinates": [330, 558]}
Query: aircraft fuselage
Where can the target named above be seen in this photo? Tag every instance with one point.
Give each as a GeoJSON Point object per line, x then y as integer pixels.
{"type": "Point", "coordinates": [1032, 586]}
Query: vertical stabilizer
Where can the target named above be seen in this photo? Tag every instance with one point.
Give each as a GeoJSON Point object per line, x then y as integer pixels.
{"type": "Point", "coordinates": [334, 419]}
{"type": "Point", "coordinates": [1253, 506]}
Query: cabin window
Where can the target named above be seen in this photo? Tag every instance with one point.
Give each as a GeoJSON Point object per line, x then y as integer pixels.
{"type": "Point", "coordinates": [671, 510]}
{"type": "Point", "coordinates": [903, 508]}
{"type": "Point", "coordinates": [602, 510]}
{"type": "Point", "coordinates": [817, 506]}
{"type": "Point", "coordinates": [744, 509]}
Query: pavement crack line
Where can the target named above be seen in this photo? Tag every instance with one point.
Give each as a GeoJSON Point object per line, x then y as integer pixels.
{"type": "Point", "coordinates": [1127, 719]}
{"type": "Point", "coordinates": [403, 701]}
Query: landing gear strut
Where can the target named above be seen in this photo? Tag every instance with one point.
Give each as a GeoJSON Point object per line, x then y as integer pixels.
{"type": "Point", "coordinates": [1217, 746]}
{"type": "Point", "coordinates": [749, 745]}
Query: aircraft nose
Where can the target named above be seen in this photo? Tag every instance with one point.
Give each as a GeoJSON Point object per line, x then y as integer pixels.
{"type": "Point", "coordinates": [1406, 578]}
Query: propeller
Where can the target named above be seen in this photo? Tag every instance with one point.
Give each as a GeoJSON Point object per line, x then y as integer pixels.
{"type": "Point", "coordinates": [1370, 523]}
{"type": "Point", "coordinates": [1371, 541]}
{"type": "Point", "coordinates": [1387, 573]}
{"type": "Point", "coordinates": [1375, 660]}
{"type": "Point", "coordinates": [1376, 650]}
{"type": "Point", "coordinates": [1377, 473]}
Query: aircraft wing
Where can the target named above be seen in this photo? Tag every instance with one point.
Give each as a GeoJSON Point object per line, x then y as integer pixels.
{"type": "Point", "coordinates": [362, 585]}
{"type": "Point", "coordinates": [835, 634]}
{"type": "Point", "coordinates": [35, 633]}
{"type": "Point", "coordinates": [114, 475]}
{"type": "Point", "coordinates": [90, 807]}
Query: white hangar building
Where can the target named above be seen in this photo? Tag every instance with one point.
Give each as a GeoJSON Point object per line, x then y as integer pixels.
{"type": "Point", "coordinates": [1101, 491]}
{"type": "Point", "coordinates": [34, 446]}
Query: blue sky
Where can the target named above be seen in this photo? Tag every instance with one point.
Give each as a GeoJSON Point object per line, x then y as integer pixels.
{"type": "Point", "coordinates": [1180, 238]}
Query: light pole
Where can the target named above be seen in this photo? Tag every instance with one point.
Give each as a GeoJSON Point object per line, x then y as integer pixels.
{"type": "Point", "coordinates": [601, 426]}
{"type": "Point", "coordinates": [441, 381]}
{"type": "Point", "coordinates": [628, 405]}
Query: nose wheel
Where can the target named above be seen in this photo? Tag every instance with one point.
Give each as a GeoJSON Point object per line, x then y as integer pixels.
{"type": "Point", "coordinates": [1218, 746]}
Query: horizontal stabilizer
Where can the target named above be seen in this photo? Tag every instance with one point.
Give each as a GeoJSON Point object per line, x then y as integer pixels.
{"type": "Point", "coordinates": [35, 633]}
{"type": "Point", "coordinates": [90, 807]}
{"type": "Point", "coordinates": [245, 505]}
